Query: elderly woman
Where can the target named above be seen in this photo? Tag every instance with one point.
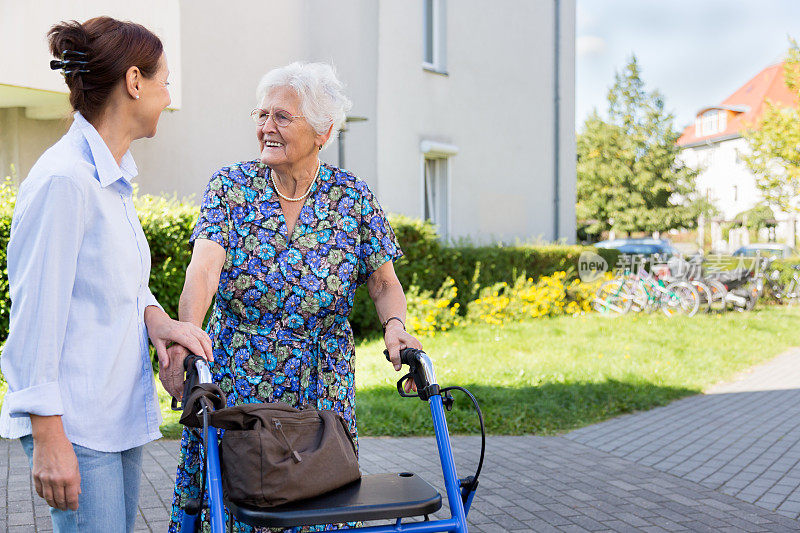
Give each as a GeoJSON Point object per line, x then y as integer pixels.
{"type": "Point", "coordinates": [284, 241]}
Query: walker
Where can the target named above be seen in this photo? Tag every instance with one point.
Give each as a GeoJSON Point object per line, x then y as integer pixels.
{"type": "Point", "coordinates": [392, 496]}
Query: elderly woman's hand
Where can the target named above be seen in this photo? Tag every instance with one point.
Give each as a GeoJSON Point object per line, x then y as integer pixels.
{"type": "Point", "coordinates": [163, 330]}
{"type": "Point", "coordinates": [171, 372]}
{"type": "Point", "coordinates": [397, 338]}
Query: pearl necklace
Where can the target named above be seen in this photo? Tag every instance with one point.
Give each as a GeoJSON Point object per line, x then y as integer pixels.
{"type": "Point", "coordinates": [288, 199]}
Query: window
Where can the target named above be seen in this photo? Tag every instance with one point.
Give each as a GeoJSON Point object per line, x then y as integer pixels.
{"type": "Point", "coordinates": [436, 184]}
{"type": "Point", "coordinates": [435, 193]}
{"type": "Point", "coordinates": [713, 121]}
{"type": "Point", "coordinates": [434, 35]}
{"type": "Point", "coordinates": [710, 122]}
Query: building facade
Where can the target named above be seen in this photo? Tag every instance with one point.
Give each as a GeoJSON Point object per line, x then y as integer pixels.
{"type": "Point", "coordinates": [463, 111]}
{"type": "Point", "coordinates": [714, 145]}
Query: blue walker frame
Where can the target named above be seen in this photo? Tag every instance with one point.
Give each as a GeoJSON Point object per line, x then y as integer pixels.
{"type": "Point", "coordinates": [459, 495]}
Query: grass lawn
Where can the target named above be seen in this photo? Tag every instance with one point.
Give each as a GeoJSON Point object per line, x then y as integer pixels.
{"type": "Point", "coordinates": [547, 376]}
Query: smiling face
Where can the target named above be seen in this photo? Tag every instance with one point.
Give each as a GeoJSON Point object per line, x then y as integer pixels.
{"type": "Point", "coordinates": [154, 98]}
{"type": "Point", "coordinates": [284, 147]}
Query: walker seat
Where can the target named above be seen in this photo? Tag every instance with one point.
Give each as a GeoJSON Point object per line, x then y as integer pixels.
{"type": "Point", "coordinates": [373, 497]}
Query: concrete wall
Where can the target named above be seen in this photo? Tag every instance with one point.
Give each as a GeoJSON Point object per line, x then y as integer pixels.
{"type": "Point", "coordinates": [22, 140]}
{"type": "Point", "coordinates": [731, 187]}
{"type": "Point", "coordinates": [496, 103]}
{"type": "Point", "coordinates": [724, 177]}
{"type": "Point", "coordinates": [34, 103]}
{"type": "Point", "coordinates": [24, 57]}
{"type": "Point", "coordinates": [228, 54]}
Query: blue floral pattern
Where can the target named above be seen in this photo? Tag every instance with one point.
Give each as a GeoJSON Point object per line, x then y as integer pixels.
{"type": "Point", "coordinates": [279, 322]}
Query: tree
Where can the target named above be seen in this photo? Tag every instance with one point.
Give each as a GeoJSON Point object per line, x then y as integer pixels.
{"type": "Point", "coordinates": [775, 144]}
{"type": "Point", "coordinates": [629, 177]}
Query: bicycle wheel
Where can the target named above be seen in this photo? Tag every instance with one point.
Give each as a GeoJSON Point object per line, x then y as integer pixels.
{"type": "Point", "coordinates": [646, 297]}
{"type": "Point", "coordinates": [704, 292]}
{"type": "Point", "coordinates": [752, 296]}
{"type": "Point", "coordinates": [613, 297]}
{"type": "Point", "coordinates": [791, 294]}
{"type": "Point", "coordinates": [717, 293]}
{"type": "Point", "coordinates": [680, 298]}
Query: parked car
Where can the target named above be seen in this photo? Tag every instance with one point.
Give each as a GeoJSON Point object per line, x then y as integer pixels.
{"type": "Point", "coordinates": [766, 249]}
{"type": "Point", "coordinates": [660, 247]}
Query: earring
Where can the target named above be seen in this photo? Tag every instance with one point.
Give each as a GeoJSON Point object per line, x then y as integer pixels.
{"type": "Point", "coordinates": [137, 96]}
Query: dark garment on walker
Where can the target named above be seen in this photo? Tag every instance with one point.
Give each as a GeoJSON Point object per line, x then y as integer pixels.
{"type": "Point", "coordinates": [272, 453]}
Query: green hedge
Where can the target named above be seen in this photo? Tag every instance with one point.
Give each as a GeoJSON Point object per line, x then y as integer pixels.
{"type": "Point", "coordinates": [168, 223]}
{"type": "Point", "coordinates": [427, 263]}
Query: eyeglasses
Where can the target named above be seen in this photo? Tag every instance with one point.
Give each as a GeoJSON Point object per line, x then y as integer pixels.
{"type": "Point", "coordinates": [282, 118]}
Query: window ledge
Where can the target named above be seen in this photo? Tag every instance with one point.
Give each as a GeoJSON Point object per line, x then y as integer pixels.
{"type": "Point", "coordinates": [427, 67]}
{"type": "Point", "coordinates": [437, 148]}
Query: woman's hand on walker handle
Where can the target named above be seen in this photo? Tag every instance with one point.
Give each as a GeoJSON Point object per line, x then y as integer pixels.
{"type": "Point", "coordinates": [397, 338]}
{"type": "Point", "coordinates": [55, 465]}
{"type": "Point", "coordinates": [163, 330]}
{"type": "Point", "coordinates": [170, 370]}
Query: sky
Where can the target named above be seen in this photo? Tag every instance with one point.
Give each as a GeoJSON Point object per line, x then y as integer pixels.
{"type": "Point", "coordinates": [695, 52]}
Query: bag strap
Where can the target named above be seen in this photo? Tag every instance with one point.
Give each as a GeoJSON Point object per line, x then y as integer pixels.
{"type": "Point", "coordinates": [253, 415]}
{"type": "Point", "coordinates": [192, 405]}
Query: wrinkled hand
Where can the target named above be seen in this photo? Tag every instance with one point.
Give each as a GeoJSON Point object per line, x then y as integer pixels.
{"type": "Point", "coordinates": [162, 330]}
{"type": "Point", "coordinates": [55, 471]}
{"type": "Point", "coordinates": [396, 338]}
{"type": "Point", "coordinates": [170, 371]}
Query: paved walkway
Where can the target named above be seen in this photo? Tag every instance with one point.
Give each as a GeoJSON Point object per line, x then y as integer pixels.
{"type": "Point", "coordinates": [728, 460]}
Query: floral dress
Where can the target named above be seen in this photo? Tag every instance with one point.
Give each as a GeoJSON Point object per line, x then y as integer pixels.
{"type": "Point", "coordinates": [279, 322]}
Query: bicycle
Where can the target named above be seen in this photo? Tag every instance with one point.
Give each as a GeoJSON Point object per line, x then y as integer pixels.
{"type": "Point", "coordinates": [784, 293]}
{"type": "Point", "coordinates": [711, 293]}
{"type": "Point", "coordinates": [613, 296]}
{"type": "Point", "coordinates": [652, 293]}
{"type": "Point", "coordinates": [742, 288]}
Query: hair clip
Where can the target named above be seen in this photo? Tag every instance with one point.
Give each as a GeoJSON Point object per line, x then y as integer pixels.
{"type": "Point", "coordinates": [72, 62]}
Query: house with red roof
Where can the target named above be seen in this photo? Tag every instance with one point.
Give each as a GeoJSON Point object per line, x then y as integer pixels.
{"type": "Point", "coordinates": [714, 144]}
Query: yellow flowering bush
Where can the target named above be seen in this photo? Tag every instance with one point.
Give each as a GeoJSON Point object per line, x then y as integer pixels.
{"type": "Point", "coordinates": [8, 194]}
{"type": "Point", "coordinates": [428, 313]}
{"type": "Point", "coordinates": [552, 295]}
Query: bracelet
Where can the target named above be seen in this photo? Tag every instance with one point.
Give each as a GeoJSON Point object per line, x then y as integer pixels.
{"type": "Point", "coordinates": [393, 318]}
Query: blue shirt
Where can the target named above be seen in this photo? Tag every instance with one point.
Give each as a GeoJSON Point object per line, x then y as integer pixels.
{"type": "Point", "coordinates": [78, 268]}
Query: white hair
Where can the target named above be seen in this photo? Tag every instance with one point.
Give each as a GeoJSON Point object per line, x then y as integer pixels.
{"type": "Point", "coordinates": [322, 99]}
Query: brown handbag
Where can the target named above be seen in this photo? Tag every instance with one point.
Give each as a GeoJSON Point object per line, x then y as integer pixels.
{"type": "Point", "coordinates": [272, 453]}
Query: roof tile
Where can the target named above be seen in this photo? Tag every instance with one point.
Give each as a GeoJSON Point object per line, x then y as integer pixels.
{"type": "Point", "coordinates": [768, 84]}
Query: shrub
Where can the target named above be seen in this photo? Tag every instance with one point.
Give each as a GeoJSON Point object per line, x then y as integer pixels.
{"type": "Point", "coordinates": [548, 296]}
{"type": "Point", "coordinates": [430, 272]}
{"type": "Point", "coordinates": [427, 264]}
{"type": "Point", "coordinates": [8, 196]}
{"type": "Point", "coordinates": [428, 313]}
{"type": "Point", "coordinates": [168, 224]}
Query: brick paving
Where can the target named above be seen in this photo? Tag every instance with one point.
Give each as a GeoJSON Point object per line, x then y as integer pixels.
{"type": "Point", "coordinates": [740, 438]}
{"type": "Point", "coordinates": [728, 460]}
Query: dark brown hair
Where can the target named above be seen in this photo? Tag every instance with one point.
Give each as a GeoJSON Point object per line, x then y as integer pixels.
{"type": "Point", "coordinates": [112, 47]}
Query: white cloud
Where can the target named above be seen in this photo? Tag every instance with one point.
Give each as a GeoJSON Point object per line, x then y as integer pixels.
{"type": "Point", "coordinates": [590, 45]}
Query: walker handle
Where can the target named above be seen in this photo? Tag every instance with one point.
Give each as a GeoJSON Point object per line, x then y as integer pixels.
{"type": "Point", "coordinates": [408, 356]}
{"type": "Point", "coordinates": [421, 369]}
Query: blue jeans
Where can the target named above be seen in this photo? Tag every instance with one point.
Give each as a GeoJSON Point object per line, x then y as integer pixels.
{"type": "Point", "coordinates": [109, 491]}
